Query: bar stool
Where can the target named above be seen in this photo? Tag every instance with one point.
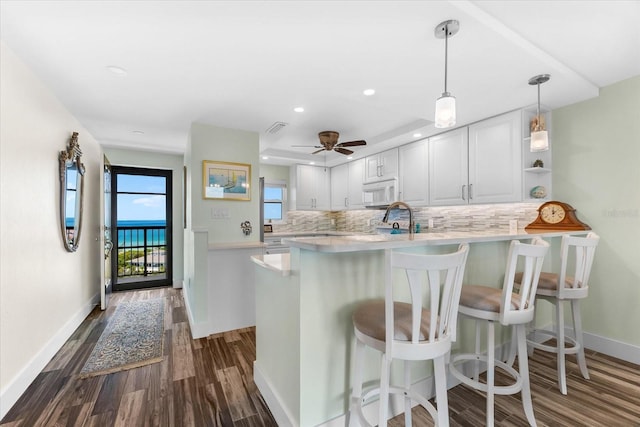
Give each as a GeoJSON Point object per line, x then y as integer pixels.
{"type": "Point", "coordinates": [575, 288]}
{"type": "Point", "coordinates": [516, 309]}
{"type": "Point", "coordinates": [409, 331]}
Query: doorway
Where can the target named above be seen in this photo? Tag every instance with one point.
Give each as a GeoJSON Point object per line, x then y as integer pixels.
{"type": "Point", "coordinates": [141, 201]}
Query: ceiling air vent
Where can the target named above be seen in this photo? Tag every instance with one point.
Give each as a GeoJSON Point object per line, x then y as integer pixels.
{"type": "Point", "coordinates": [275, 127]}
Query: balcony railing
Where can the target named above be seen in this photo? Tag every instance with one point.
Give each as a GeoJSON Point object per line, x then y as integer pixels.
{"type": "Point", "coordinates": [142, 252]}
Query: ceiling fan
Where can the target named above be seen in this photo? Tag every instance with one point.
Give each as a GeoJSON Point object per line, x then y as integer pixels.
{"type": "Point", "coordinates": [329, 142]}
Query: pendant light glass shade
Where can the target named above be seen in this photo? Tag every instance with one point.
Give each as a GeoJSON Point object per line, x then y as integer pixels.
{"type": "Point", "coordinates": [446, 105]}
{"type": "Point", "coordinates": [539, 141]}
{"type": "Point", "coordinates": [445, 111]}
{"type": "Point", "coordinates": [539, 135]}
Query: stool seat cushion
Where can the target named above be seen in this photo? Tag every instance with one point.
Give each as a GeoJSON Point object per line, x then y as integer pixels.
{"type": "Point", "coordinates": [369, 318]}
{"type": "Point", "coordinates": [485, 298]}
{"type": "Point", "coordinates": [548, 281]}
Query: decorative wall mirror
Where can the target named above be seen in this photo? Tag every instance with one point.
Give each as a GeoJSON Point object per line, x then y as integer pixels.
{"type": "Point", "coordinates": [71, 193]}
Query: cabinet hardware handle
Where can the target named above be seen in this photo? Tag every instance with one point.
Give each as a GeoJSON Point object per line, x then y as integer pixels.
{"type": "Point", "coordinates": [470, 191]}
{"type": "Point", "coordinates": [346, 202]}
{"type": "Point", "coordinates": [463, 187]}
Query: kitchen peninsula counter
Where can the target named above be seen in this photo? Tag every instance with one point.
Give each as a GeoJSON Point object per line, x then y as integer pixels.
{"type": "Point", "coordinates": [372, 242]}
{"type": "Point", "coordinates": [304, 302]}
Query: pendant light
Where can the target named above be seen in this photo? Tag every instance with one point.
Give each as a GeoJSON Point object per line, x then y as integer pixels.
{"type": "Point", "coordinates": [446, 104]}
{"type": "Point", "coordinates": [539, 135]}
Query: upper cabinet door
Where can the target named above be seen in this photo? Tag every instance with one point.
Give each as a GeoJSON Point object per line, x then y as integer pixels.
{"type": "Point", "coordinates": [495, 159]}
{"type": "Point", "coordinates": [356, 177]}
{"type": "Point", "coordinates": [346, 186]}
{"type": "Point", "coordinates": [448, 168]}
{"type": "Point", "coordinates": [382, 166]}
{"type": "Point", "coordinates": [312, 188]}
{"type": "Point", "coordinates": [339, 187]}
{"type": "Point", "coordinates": [414, 177]}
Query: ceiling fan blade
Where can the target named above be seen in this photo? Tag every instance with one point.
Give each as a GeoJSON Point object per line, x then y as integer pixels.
{"type": "Point", "coordinates": [352, 143]}
{"type": "Point", "coordinates": [319, 151]}
{"type": "Point", "coordinates": [307, 146]}
{"type": "Point", "coordinates": [343, 151]}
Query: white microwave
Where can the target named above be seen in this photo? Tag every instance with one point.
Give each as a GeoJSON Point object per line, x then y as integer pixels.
{"type": "Point", "coordinates": [380, 193]}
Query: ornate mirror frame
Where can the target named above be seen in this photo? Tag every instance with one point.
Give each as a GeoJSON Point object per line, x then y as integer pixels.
{"type": "Point", "coordinates": [71, 193]}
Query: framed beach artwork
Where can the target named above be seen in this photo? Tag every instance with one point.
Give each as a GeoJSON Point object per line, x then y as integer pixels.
{"type": "Point", "coordinates": [226, 180]}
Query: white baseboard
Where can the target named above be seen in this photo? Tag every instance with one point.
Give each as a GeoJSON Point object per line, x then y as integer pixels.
{"type": "Point", "coordinates": [281, 414]}
{"type": "Point", "coordinates": [19, 384]}
{"type": "Point", "coordinates": [198, 330]}
{"type": "Point", "coordinates": [611, 347]}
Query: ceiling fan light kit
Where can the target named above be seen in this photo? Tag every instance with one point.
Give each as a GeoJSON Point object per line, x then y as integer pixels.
{"type": "Point", "coordinates": [446, 105]}
{"type": "Point", "coordinates": [539, 135]}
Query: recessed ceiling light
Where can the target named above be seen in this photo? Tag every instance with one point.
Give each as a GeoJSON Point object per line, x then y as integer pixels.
{"type": "Point", "coordinates": [119, 71]}
{"type": "Point", "coordinates": [417, 135]}
{"type": "Point", "coordinates": [350, 157]}
{"type": "Point", "coordinates": [312, 163]}
{"type": "Point", "coordinates": [369, 92]}
{"type": "Point", "coordinates": [299, 109]}
{"type": "Point", "coordinates": [137, 132]}
{"type": "Point", "coordinates": [265, 157]}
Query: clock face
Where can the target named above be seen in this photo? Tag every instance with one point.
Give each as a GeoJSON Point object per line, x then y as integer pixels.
{"type": "Point", "coordinates": [552, 213]}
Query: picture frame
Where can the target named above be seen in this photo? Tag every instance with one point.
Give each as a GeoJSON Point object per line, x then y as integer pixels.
{"type": "Point", "coordinates": [226, 180]}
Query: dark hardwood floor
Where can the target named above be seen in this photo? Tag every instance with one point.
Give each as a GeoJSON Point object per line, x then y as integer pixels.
{"type": "Point", "coordinates": [209, 382]}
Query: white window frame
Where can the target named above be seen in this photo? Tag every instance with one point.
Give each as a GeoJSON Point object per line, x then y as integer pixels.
{"type": "Point", "coordinates": [283, 186]}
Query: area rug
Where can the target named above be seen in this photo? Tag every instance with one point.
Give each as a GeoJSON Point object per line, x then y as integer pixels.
{"type": "Point", "coordinates": [133, 338]}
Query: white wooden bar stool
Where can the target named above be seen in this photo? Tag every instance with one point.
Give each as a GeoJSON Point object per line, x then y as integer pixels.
{"type": "Point", "coordinates": [409, 331]}
{"type": "Point", "coordinates": [510, 308]}
{"type": "Point", "coordinates": [575, 288]}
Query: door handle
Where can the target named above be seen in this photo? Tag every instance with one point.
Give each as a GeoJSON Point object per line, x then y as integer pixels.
{"type": "Point", "coordinates": [463, 187]}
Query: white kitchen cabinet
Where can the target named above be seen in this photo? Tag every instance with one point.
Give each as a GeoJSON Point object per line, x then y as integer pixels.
{"type": "Point", "coordinates": [310, 187]}
{"type": "Point", "coordinates": [381, 166]}
{"type": "Point", "coordinates": [339, 187]}
{"type": "Point", "coordinates": [346, 186]}
{"type": "Point", "coordinates": [448, 168]}
{"type": "Point", "coordinates": [495, 152]}
{"type": "Point", "coordinates": [414, 176]}
{"type": "Point", "coordinates": [535, 176]}
{"type": "Point", "coordinates": [477, 164]}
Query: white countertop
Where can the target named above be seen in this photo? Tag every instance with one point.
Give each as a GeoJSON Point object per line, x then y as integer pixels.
{"type": "Point", "coordinates": [371, 242]}
{"type": "Point", "coordinates": [276, 262]}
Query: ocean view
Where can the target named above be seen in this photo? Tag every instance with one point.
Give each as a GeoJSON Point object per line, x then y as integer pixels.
{"type": "Point", "coordinates": [133, 236]}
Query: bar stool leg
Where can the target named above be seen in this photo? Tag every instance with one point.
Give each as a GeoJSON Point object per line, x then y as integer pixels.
{"type": "Point", "coordinates": [490, 372]}
{"type": "Point", "coordinates": [523, 368]}
{"type": "Point", "coordinates": [476, 365]}
{"type": "Point", "coordinates": [407, 399]}
{"type": "Point", "coordinates": [385, 369]}
{"type": "Point", "coordinates": [562, 377]}
{"type": "Point", "coordinates": [440, 374]}
{"type": "Point", "coordinates": [577, 328]}
{"type": "Point", "coordinates": [356, 381]}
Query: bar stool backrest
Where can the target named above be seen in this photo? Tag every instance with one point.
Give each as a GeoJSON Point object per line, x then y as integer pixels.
{"type": "Point", "coordinates": [518, 306]}
{"type": "Point", "coordinates": [576, 286]}
{"type": "Point", "coordinates": [442, 276]}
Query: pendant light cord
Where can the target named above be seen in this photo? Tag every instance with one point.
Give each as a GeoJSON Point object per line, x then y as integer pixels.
{"type": "Point", "coordinates": [446, 49]}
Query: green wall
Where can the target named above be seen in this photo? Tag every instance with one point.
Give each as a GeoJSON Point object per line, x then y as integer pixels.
{"type": "Point", "coordinates": [596, 169]}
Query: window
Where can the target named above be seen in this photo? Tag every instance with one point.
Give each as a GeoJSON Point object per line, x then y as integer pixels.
{"type": "Point", "coordinates": [274, 200]}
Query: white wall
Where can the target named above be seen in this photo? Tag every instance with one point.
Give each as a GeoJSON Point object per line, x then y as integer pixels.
{"type": "Point", "coordinates": [208, 142]}
{"type": "Point", "coordinates": [173, 162]}
{"type": "Point", "coordinates": [596, 157]}
{"type": "Point", "coordinates": [228, 145]}
{"type": "Point", "coordinates": [45, 291]}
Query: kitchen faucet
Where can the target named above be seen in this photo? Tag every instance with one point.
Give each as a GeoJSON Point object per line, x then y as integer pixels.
{"type": "Point", "coordinates": [398, 204]}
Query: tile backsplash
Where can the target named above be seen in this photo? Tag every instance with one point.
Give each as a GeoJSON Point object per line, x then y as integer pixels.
{"type": "Point", "coordinates": [459, 218]}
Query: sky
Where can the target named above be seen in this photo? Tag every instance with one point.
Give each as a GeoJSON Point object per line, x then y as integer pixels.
{"type": "Point", "coordinates": [149, 201]}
